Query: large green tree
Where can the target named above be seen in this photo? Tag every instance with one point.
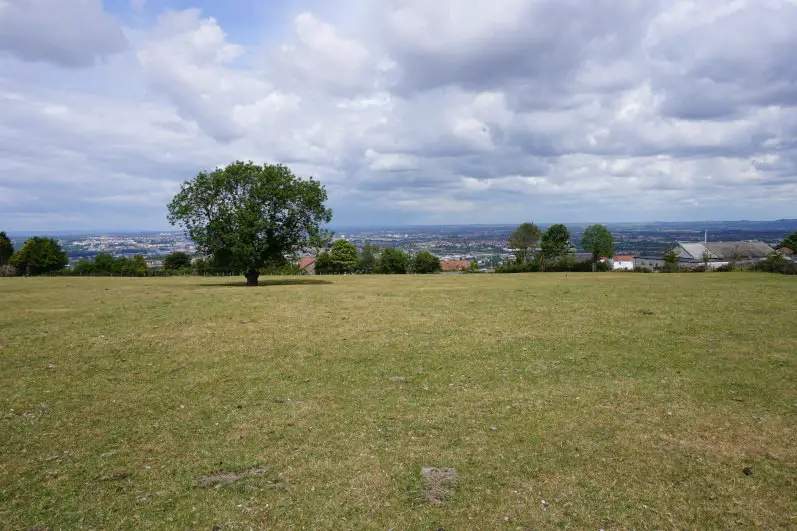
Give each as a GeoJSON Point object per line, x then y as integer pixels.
{"type": "Point", "coordinates": [39, 255]}
{"type": "Point", "coordinates": [524, 241]}
{"type": "Point", "coordinates": [247, 215]}
{"type": "Point", "coordinates": [176, 260]}
{"type": "Point", "coordinates": [340, 259]}
{"type": "Point", "coordinates": [555, 244]}
{"type": "Point", "coordinates": [393, 261]}
{"type": "Point", "coordinates": [425, 263]}
{"type": "Point", "coordinates": [6, 249]}
{"type": "Point", "coordinates": [599, 241]}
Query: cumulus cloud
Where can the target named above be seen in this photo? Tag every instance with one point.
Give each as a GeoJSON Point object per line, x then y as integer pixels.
{"type": "Point", "coordinates": [415, 111]}
{"type": "Point", "coordinates": [72, 34]}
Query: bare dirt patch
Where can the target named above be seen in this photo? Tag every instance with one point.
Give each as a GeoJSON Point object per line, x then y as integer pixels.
{"type": "Point", "coordinates": [222, 478]}
{"type": "Point", "coordinates": [438, 484]}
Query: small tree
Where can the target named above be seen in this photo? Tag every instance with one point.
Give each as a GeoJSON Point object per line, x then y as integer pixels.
{"type": "Point", "coordinates": [103, 264]}
{"type": "Point", "coordinates": [84, 266]}
{"type": "Point", "coordinates": [393, 262]}
{"type": "Point", "coordinates": [368, 259]}
{"type": "Point", "coordinates": [735, 256]}
{"type": "Point", "coordinates": [6, 249]}
{"type": "Point", "coordinates": [599, 241]}
{"type": "Point", "coordinates": [39, 255]}
{"type": "Point", "coordinates": [706, 259]}
{"type": "Point", "coordinates": [344, 257]}
{"type": "Point", "coordinates": [524, 241]}
{"type": "Point", "coordinates": [555, 243]}
{"type": "Point", "coordinates": [340, 259]}
{"type": "Point", "coordinates": [247, 215]}
{"type": "Point", "coordinates": [671, 261]}
{"type": "Point", "coordinates": [176, 260]}
{"type": "Point", "coordinates": [425, 262]}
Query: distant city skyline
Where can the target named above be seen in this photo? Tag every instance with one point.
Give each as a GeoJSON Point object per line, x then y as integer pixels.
{"type": "Point", "coordinates": [408, 111]}
{"type": "Point", "coordinates": [339, 228]}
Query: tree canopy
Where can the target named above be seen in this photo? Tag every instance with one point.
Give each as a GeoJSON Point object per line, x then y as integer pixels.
{"type": "Point", "coordinates": [425, 263]}
{"type": "Point", "coordinates": [6, 249]}
{"type": "Point", "coordinates": [599, 241]}
{"type": "Point", "coordinates": [339, 260]}
{"type": "Point", "coordinates": [247, 215]}
{"type": "Point", "coordinates": [39, 255]}
{"type": "Point", "coordinates": [555, 242]}
{"type": "Point", "coordinates": [524, 241]}
{"type": "Point", "coordinates": [177, 260]}
{"type": "Point", "coordinates": [393, 261]}
{"type": "Point", "coordinates": [107, 264]}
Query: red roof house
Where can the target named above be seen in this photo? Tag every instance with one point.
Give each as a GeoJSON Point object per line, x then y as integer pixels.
{"type": "Point", "coordinates": [307, 264]}
{"type": "Point", "coordinates": [454, 265]}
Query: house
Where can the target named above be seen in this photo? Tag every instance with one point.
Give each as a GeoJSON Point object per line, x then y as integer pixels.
{"type": "Point", "coordinates": [307, 265]}
{"type": "Point", "coordinates": [449, 266]}
{"type": "Point", "coordinates": [623, 262]}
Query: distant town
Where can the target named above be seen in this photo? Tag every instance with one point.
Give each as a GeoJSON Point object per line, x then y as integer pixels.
{"type": "Point", "coordinates": [484, 244]}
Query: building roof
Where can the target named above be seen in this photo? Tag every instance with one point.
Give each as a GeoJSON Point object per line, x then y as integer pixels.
{"type": "Point", "coordinates": [623, 258]}
{"type": "Point", "coordinates": [725, 250]}
{"type": "Point", "coordinates": [454, 265]}
{"type": "Point", "coordinates": [306, 261]}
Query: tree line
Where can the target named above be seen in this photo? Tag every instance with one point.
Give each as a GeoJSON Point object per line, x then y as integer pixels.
{"type": "Point", "coordinates": [551, 250]}
{"type": "Point", "coordinates": [343, 258]}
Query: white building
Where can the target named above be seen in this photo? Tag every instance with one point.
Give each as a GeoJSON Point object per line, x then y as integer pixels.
{"type": "Point", "coordinates": [623, 263]}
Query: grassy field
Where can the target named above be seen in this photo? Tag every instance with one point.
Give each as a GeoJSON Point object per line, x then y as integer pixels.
{"type": "Point", "coordinates": [583, 401]}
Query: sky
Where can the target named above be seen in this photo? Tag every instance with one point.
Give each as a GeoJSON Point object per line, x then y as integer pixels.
{"type": "Point", "coordinates": [408, 111]}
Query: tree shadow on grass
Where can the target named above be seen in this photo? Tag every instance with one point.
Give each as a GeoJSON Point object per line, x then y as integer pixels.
{"type": "Point", "coordinates": [268, 281]}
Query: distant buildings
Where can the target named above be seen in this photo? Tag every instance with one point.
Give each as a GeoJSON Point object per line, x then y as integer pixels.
{"type": "Point", "coordinates": [712, 255]}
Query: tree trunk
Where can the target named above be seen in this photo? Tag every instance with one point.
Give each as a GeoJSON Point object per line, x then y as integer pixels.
{"type": "Point", "coordinates": [251, 277]}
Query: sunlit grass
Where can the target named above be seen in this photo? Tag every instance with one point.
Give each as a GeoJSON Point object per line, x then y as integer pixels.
{"type": "Point", "coordinates": [623, 401]}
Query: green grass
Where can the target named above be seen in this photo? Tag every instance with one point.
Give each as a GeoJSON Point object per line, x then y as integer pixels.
{"type": "Point", "coordinates": [623, 401]}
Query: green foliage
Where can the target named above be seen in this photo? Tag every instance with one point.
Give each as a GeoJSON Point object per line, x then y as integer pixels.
{"type": "Point", "coordinates": [555, 243]}
{"type": "Point", "coordinates": [368, 259]}
{"type": "Point", "coordinates": [393, 262]}
{"type": "Point", "coordinates": [105, 264]}
{"type": "Point", "coordinates": [790, 242]}
{"type": "Point", "coordinates": [287, 269]}
{"type": "Point", "coordinates": [177, 260]}
{"type": "Point", "coordinates": [777, 263]}
{"type": "Point", "coordinates": [6, 249]}
{"type": "Point", "coordinates": [323, 264]}
{"type": "Point", "coordinates": [344, 257]}
{"type": "Point", "coordinates": [425, 262]}
{"type": "Point", "coordinates": [247, 215]}
{"type": "Point", "coordinates": [202, 266]}
{"type": "Point", "coordinates": [524, 241]}
{"type": "Point", "coordinates": [706, 259]}
{"type": "Point", "coordinates": [670, 261]}
{"type": "Point", "coordinates": [564, 265]}
{"type": "Point", "coordinates": [39, 255]}
{"type": "Point", "coordinates": [599, 241]}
